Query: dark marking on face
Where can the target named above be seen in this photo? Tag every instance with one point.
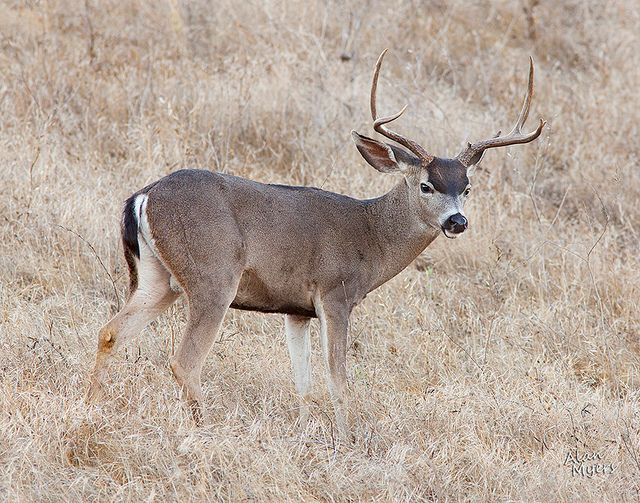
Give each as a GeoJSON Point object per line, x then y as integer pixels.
{"type": "Point", "coordinates": [448, 176]}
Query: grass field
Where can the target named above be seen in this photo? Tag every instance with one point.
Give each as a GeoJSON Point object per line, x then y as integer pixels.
{"type": "Point", "coordinates": [479, 373]}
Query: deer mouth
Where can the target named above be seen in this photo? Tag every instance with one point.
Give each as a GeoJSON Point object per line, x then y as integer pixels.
{"type": "Point", "coordinates": [451, 234]}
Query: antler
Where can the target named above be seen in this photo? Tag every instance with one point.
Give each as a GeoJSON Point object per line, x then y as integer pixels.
{"type": "Point", "coordinates": [473, 152]}
{"type": "Point", "coordinates": [379, 123]}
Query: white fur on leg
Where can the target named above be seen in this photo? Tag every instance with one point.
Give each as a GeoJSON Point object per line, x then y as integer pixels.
{"type": "Point", "coordinates": [299, 344]}
{"type": "Point", "coordinates": [153, 277]}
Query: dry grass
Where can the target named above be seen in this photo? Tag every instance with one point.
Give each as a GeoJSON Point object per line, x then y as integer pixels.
{"type": "Point", "coordinates": [475, 371]}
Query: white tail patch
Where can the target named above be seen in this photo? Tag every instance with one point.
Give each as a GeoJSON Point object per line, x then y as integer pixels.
{"type": "Point", "coordinates": [140, 207]}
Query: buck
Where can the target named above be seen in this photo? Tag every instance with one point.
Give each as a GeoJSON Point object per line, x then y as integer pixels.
{"type": "Point", "coordinates": [225, 241]}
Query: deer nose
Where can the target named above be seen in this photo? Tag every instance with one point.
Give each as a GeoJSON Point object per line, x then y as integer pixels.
{"type": "Point", "coordinates": [457, 223]}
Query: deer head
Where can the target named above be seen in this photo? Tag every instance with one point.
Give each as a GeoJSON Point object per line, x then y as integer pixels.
{"type": "Point", "coordinates": [438, 187]}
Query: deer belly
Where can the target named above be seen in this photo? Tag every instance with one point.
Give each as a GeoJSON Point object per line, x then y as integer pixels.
{"type": "Point", "coordinates": [256, 294]}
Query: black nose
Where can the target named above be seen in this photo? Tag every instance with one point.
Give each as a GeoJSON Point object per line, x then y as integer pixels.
{"type": "Point", "coordinates": [457, 223]}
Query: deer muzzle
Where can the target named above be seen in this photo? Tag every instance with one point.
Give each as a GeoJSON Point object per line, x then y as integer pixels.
{"type": "Point", "coordinates": [455, 224]}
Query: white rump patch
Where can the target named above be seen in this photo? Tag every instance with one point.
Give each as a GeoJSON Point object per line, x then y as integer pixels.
{"type": "Point", "coordinates": [144, 231]}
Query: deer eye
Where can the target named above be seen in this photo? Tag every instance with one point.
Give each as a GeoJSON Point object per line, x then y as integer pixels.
{"type": "Point", "coordinates": [466, 192]}
{"type": "Point", "coordinates": [426, 189]}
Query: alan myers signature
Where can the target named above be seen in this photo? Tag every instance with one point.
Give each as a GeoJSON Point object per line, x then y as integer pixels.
{"type": "Point", "coordinates": [587, 464]}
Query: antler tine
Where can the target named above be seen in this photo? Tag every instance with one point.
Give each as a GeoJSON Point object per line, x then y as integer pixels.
{"type": "Point", "coordinates": [379, 123]}
{"type": "Point", "coordinates": [374, 84]}
{"type": "Point", "coordinates": [514, 137]}
{"type": "Point", "coordinates": [526, 104]}
{"type": "Point", "coordinates": [384, 120]}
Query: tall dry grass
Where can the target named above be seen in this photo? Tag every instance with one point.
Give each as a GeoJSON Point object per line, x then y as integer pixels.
{"type": "Point", "coordinates": [473, 373]}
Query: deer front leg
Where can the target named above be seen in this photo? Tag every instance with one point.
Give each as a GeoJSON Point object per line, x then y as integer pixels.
{"type": "Point", "coordinates": [334, 324]}
{"type": "Point", "coordinates": [298, 341]}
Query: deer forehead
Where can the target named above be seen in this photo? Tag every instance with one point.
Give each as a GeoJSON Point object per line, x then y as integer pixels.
{"type": "Point", "coordinates": [448, 176]}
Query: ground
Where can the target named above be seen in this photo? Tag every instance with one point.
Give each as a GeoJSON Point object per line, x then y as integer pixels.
{"type": "Point", "coordinates": [502, 366]}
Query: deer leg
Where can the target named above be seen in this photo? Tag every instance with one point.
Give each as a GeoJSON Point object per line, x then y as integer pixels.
{"type": "Point", "coordinates": [152, 296]}
{"type": "Point", "coordinates": [207, 307]}
{"type": "Point", "coordinates": [334, 323]}
{"type": "Point", "coordinates": [299, 343]}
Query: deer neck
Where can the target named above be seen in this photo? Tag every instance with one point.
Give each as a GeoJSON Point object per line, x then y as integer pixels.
{"type": "Point", "coordinates": [399, 234]}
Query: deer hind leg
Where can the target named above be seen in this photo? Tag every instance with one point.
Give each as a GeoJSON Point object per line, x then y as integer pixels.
{"type": "Point", "coordinates": [299, 343]}
{"type": "Point", "coordinates": [334, 324]}
{"type": "Point", "coordinates": [152, 296]}
{"type": "Point", "coordinates": [208, 304]}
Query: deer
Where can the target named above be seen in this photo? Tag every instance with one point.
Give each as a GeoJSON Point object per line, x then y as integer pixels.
{"type": "Point", "coordinates": [228, 242]}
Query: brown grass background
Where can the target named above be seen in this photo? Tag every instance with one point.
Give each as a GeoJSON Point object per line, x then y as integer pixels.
{"type": "Point", "coordinates": [473, 372]}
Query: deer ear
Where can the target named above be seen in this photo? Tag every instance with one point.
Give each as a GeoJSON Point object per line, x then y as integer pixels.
{"type": "Point", "coordinates": [473, 163]}
{"type": "Point", "coordinates": [475, 160]}
{"type": "Point", "coordinates": [378, 154]}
